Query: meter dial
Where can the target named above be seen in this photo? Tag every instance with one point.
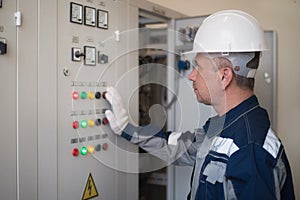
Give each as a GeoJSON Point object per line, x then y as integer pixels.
{"type": "Point", "coordinates": [76, 13]}
{"type": "Point", "coordinates": [89, 16]}
{"type": "Point", "coordinates": [90, 55]}
{"type": "Point", "coordinates": [102, 19]}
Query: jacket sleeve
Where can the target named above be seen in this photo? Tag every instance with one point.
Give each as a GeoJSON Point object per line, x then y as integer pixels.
{"type": "Point", "coordinates": [254, 173]}
{"type": "Point", "coordinates": [179, 148]}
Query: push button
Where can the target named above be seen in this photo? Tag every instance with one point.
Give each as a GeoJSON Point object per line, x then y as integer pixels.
{"type": "Point", "coordinates": [91, 149]}
{"type": "Point", "coordinates": [105, 146]}
{"type": "Point", "coordinates": [75, 124]}
{"type": "Point", "coordinates": [105, 121]}
{"type": "Point", "coordinates": [104, 95]}
{"type": "Point", "coordinates": [98, 122]}
{"type": "Point", "coordinates": [75, 152]}
{"type": "Point", "coordinates": [91, 123]}
{"type": "Point", "coordinates": [83, 151]}
{"type": "Point", "coordinates": [98, 147]}
{"type": "Point", "coordinates": [91, 95]}
{"type": "Point", "coordinates": [83, 95]}
{"type": "Point", "coordinates": [75, 95]}
{"type": "Point", "coordinates": [98, 95]}
{"type": "Point", "coordinates": [83, 124]}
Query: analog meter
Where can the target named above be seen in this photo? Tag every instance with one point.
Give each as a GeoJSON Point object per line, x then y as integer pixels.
{"type": "Point", "coordinates": [76, 13]}
{"type": "Point", "coordinates": [89, 16]}
{"type": "Point", "coordinates": [90, 55]}
{"type": "Point", "coordinates": [102, 19]}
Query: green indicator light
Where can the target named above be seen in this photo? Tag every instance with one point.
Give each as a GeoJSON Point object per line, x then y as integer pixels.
{"type": "Point", "coordinates": [83, 124]}
{"type": "Point", "coordinates": [83, 151]}
{"type": "Point", "coordinates": [83, 95]}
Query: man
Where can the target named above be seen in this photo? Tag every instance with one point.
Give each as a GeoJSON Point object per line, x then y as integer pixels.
{"type": "Point", "coordinates": [235, 155]}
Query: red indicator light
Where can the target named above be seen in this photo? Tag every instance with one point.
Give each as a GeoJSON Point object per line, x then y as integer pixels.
{"type": "Point", "coordinates": [105, 146]}
{"type": "Point", "coordinates": [104, 95]}
{"type": "Point", "coordinates": [75, 124]}
{"type": "Point", "coordinates": [75, 152]}
{"type": "Point", "coordinates": [105, 121]}
{"type": "Point", "coordinates": [75, 95]}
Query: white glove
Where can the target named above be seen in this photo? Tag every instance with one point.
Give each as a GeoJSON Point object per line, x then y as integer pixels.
{"type": "Point", "coordinates": [118, 118]}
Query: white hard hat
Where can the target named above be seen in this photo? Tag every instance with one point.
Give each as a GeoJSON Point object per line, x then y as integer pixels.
{"type": "Point", "coordinates": [229, 31]}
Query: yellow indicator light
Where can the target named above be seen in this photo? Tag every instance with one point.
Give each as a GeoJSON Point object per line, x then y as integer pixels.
{"type": "Point", "coordinates": [91, 95]}
{"type": "Point", "coordinates": [91, 149]}
{"type": "Point", "coordinates": [91, 123]}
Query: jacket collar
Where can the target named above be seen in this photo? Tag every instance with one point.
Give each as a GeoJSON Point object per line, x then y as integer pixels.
{"type": "Point", "coordinates": [215, 125]}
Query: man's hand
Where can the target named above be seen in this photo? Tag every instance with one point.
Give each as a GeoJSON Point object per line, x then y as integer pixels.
{"type": "Point", "coordinates": [117, 117]}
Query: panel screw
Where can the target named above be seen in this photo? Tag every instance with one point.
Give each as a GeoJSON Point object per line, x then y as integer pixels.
{"type": "Point", "coordinates": [66, 72]}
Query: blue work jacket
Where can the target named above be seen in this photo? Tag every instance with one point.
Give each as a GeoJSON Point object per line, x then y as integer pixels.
{"type": "Point", "coordinates": [235, 156]}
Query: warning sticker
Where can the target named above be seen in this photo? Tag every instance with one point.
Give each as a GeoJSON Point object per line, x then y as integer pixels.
{"type": "Point", "coordinates": [90, 190]}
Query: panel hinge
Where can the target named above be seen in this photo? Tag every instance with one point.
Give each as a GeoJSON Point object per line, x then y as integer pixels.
{"type": "Point", "coordinates": [18, 18]}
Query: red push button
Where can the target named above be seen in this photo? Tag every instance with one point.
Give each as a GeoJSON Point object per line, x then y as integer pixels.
{"type": "Point", "coordinates": [75, 152]}
{"type": "Point", "coordinates": [104, 95]}
{"type": "Point", "coordinates": [75, 95]}
{"type": "Point", "coordinates": [75, 124]}
{"type": "Point", "coordinates": [105, 121]}
{"type": "Point", "coordinates": [105, 146]}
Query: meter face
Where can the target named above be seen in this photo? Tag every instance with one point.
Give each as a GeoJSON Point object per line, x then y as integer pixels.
{"type": "Point", "coordinates": [102, 19]}
{"type": "Point", "coordinates": [90, 55]}
{"type": "Point", "coordinates": [89, 16]}
{"type": "Point", "coordinates": [76, 13]}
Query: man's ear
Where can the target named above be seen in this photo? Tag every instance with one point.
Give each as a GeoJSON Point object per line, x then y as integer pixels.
{"type": "Point", "coordinates": [226, 76]}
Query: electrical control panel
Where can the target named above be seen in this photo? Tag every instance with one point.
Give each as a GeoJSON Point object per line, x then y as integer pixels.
{"type": "Point", "coordinates": [56, 59]}
{"type": "Point", "coordinates": [91, 57]}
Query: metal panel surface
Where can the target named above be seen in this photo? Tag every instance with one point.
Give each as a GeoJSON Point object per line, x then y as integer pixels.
{"type": "Point", "coordinates": [109, 163]}
{"type": "Point", "coordinates": [8, 106]}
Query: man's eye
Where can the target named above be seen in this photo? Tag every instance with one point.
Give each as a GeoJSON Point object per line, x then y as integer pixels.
{"type": "Point", "coordinates": [194, 64]}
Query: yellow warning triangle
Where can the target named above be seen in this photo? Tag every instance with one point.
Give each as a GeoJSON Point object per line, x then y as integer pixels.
{"type": "Point", "coordinates": [90, 190]}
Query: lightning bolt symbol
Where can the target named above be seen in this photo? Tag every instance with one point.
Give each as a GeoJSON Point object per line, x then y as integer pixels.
{"type": "Point", "coordinates": [90, 187]}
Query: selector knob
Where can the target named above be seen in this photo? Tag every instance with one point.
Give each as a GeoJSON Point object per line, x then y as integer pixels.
{"type": "Point", "coordinates": [79, 54]}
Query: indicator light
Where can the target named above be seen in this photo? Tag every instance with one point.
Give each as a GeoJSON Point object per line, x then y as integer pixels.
{"type": "Point", "coordinates": [98, 95]}
{"type": "Point", "coordinates": [98, 122]}
{"type": "Point", "coordinates": [75, 95]}
{"type": "Point", "coordinates": [104, 95]}
{"type": "Point", "coordinates": [83, 124]}
{"type": "Point", "coordinates": [91, 95]}
{"type": "Point", "coordinates": [91, 123]}
{"type": "Point", "coordinates": [75, 124]}
{"type": "Point", "coordinates": [105, 121]}
{"type": "Point", "coordinates": [98, 147]}
{"type": "Point", "coordinates": [91, 149]}
{"type": "Point", "coordinates": [75, 152]}
{"type": "Point", "coordinates": [83, 151]}
{"type": "Point", "coordinates": [83, 95]}
{"type": "Point", "coordinates": [105, 146]}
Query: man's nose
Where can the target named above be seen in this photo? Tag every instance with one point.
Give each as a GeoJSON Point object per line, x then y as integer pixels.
{"type": "Point", "coordinates": [192, 75]}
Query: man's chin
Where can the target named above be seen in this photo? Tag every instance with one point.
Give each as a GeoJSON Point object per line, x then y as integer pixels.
{"type": "Point", "coordinates": [200, 100]}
